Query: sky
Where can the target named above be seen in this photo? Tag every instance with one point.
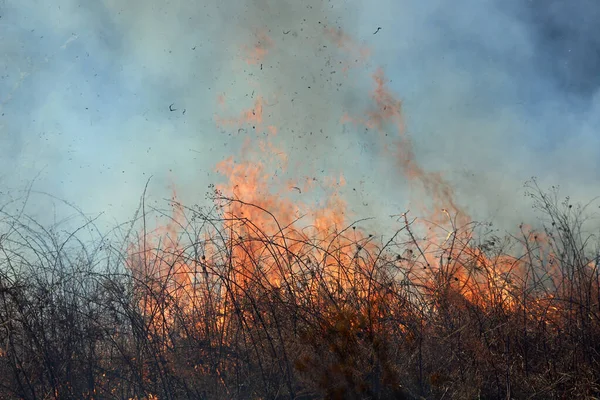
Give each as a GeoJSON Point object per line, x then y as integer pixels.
{"type": "Point", "coordinates": [493, 92]}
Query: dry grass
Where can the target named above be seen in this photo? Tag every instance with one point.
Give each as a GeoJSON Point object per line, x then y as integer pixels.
{"type": "Point", "coordinates": [221, 308]}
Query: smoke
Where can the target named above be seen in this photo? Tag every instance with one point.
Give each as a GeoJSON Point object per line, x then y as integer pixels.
{"type": "Point", "coordinates": [496, 92]}
{"type": "Point", "coordinates": [493, 93]}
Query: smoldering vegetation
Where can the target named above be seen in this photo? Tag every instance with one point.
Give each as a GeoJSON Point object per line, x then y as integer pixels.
{"type": "Point", "coordinates": [219, 307]}
{"type": "Point", "coordinates": [227, 301]}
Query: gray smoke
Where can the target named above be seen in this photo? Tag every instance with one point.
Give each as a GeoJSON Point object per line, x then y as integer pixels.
{"type": "Point", "coordinates": [494, 92]}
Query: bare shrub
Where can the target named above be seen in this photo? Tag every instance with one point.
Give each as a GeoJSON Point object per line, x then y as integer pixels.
{"type": "Point", "coordinates": [224, 302]}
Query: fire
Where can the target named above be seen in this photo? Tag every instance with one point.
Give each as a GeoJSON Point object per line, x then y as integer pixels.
{"type": "Point", "coordinates": [263, 223]}
{"type": "Point", "coordinates": [274, 288]}
{"type": "Point", "coordinates": [261, 242]}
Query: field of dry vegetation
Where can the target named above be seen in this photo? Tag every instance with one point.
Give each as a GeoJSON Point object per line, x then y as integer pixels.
{"type": "Point", "coordinates": [226, 303]}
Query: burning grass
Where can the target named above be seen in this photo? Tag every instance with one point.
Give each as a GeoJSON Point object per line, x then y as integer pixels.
{"type": "Point", "coordinates": [229, 302]}
{"type": "Point", "coordinates": [256, 296]}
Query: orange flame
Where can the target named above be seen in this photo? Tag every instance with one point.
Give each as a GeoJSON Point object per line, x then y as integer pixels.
{"type": "Point", "coordinates": [272, 241]}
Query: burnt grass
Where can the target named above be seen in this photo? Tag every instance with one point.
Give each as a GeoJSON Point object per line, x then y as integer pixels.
{"type": "Point", "coordinates": [227, 310]}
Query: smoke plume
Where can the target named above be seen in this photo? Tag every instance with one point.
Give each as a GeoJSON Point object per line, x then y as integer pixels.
{"type": "Point", "coordinates": [96, 97]}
